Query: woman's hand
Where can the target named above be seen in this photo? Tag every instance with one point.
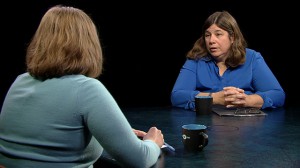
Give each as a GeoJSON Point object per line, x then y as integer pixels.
{"type": "Point", "coordinates": [155, 135]}
{"type": "Point", "coordinates": [139, 133]}
{"type": "Point", "coordinates": [234, 97]}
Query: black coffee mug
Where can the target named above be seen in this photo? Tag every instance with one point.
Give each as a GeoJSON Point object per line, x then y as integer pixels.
{"type": "Point", "coordinates": [203, 105]}
{"type": "Point", "coordinates": [194, 137]}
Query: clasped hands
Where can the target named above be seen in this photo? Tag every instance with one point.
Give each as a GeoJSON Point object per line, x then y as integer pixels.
{"type": "Point", "coordinates": [234, 97]}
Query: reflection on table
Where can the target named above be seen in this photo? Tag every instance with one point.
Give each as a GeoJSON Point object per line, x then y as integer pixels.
{"type": "Point", "coordinates": [261, 141]}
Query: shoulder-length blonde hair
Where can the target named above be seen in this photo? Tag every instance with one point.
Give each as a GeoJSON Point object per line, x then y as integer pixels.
{"type": "Point", "coordinates": [66, 42]}
{"type": "Point", "coordinates": [226, 22]}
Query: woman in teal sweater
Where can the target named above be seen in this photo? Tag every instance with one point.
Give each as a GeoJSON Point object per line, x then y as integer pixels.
{"type": "Point", "coordinates": [57, 114]}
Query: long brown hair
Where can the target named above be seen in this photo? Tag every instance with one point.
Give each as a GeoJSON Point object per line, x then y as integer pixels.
{"type": "Point", "coordinates": [226, 22]}
{"type": "Point", "coordinates": [66, 42]}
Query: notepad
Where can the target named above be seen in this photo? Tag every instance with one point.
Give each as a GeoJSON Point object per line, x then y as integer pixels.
{"type": "Point", "coordinates": [237, 112]}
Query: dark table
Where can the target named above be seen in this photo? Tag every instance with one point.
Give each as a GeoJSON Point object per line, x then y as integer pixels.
{"type": "Point", "coordinates": [260, 141]}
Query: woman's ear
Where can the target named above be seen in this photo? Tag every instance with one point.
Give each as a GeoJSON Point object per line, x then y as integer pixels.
{"type": "Point", "coordinates": [232, 39]}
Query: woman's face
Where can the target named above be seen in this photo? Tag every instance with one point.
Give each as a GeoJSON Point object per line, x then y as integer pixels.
{"type": "Point", "coordinates": [218, 42]}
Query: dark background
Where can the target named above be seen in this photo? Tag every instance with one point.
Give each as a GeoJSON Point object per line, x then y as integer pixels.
{"type": "Point", "coordinates": [145, 42]}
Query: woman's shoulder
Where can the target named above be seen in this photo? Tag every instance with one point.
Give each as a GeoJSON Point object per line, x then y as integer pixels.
{"type": "Point", "coordinates": [206, 58]}
{"type": "Point", "coordinates": [84, 80]}
{"type": "Point", "coordinates": [251, 53]}
{"type": "Point", "coordinates": [194, 62]}
{"type": "Point", "coordinates": [87, 84]}
{"type": "Point", "coordinates": [24, 75]}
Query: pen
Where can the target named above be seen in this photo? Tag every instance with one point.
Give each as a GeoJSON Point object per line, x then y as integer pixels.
{"type": "Point", "coordinates": [169, 146]}
{"type": "Point", "coordinates": [165, 145]}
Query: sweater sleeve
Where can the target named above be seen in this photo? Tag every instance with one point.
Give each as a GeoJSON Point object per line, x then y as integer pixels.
{"type": "Point", "coordinates": [112, 130]}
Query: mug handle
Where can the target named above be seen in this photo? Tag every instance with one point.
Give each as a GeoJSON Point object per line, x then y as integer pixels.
{"type": "Point", "coordinates": [205, 139]}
